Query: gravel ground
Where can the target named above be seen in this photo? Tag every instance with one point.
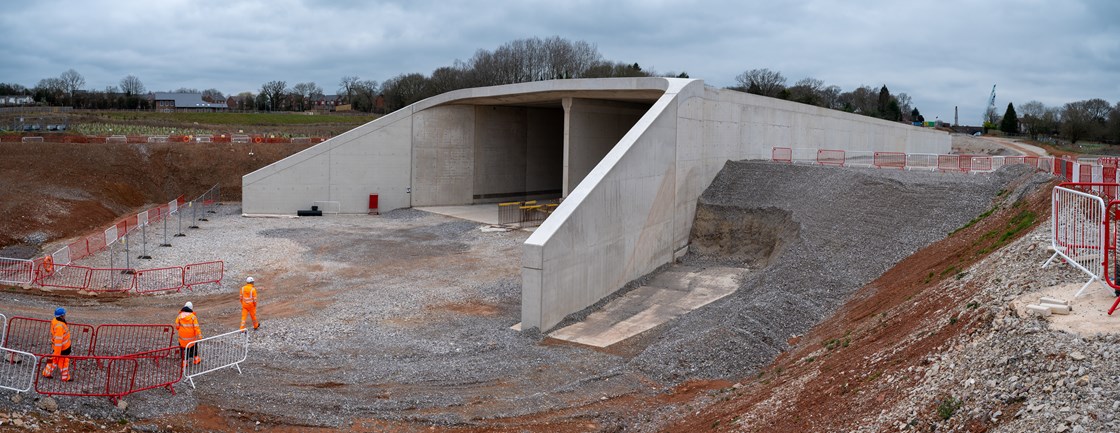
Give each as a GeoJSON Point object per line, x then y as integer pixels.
{"type": "Point", "coordinates": [1019, 372]}
{"type": "Point", "coordinates": [406, 316]}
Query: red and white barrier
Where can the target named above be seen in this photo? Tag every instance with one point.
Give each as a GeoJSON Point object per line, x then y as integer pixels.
{"type": "Point", "coordinates": [1078, 230]}
{"type": "Point", "coordinates": [125, 339]}
{"type": "Point", "coordinates": [159, 280]}
{"type": "Point", "coordinates": [16, 271]}
{"type": "Point", "coordinates": [203, 273]}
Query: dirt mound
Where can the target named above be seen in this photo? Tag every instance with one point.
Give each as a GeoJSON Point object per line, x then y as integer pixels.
{"type": "Point", "coordinates": [53, 191]}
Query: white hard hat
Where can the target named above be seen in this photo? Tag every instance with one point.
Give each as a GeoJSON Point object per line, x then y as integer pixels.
{"type": "Point", "coordinates": [188, 305]}
{"type": "Point", "coordinates": [249, 279]}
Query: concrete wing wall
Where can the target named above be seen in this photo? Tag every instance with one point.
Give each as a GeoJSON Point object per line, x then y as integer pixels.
{"type": "Point", "coordinates": [634, 211]}
{"type": "Point", "coordinates": [374, 158]}
{"type": "Point", "coordinates": [614, 227]}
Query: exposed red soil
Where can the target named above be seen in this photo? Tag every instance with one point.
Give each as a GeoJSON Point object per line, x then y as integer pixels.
{"type": "Point", "coordinates": [64, 190]}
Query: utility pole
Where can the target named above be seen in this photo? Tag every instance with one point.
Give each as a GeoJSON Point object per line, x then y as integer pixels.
{"type": "Point", "coordinates": [956, 114]}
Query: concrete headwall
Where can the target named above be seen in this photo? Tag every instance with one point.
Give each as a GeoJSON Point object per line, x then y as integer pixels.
{"type": "Point", "coordinates": [634, 210]}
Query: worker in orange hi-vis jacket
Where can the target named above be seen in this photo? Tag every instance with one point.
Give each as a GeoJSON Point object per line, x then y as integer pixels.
{"type": "Point", "coordinates": [189, 332]}
{"type": "Point", "coordinates": [249, 303]}
{"type": "Point", "coordinates": [60, 339]}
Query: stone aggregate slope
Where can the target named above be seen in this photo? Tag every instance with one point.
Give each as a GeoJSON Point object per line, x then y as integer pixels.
{"type": "Point", "coordinates": [851, 225]}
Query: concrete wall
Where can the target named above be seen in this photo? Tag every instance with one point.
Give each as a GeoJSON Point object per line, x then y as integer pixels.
{"type": "Point", "coordinates": [443, 155]}
{"type": "Point", "coordinates": [634, 210]}
{"type": "Point", "coordinates": [372, 159]}
{"type": "Point", "coordinates": [593, 127]}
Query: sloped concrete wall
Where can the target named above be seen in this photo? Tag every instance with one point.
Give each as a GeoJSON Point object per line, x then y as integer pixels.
{"type": "Point", "coordinates": [634, 210]}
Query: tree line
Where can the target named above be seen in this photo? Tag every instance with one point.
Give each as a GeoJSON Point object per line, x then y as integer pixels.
{"type": "Point", "coordinates": [1088, 120]}
{"type": "Point", "coordinates": [536, 59]}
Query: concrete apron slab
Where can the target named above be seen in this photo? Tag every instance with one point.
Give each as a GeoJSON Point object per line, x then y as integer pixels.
{"type": "Point", "coordinates": [668, 295]}
{"type": "Point", "coordinates": [1090, 310]}
{"type": "Point", "coordinates": [482, 213]}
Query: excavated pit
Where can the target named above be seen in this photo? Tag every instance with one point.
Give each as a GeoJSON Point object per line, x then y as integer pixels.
{"type": "Point", "coordinates": [751, 237]}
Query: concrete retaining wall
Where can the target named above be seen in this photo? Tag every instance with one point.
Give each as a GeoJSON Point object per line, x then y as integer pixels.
{"type": "Point", "coordinates": [635, 209]}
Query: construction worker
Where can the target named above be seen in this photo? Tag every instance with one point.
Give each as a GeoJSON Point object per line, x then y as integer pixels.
{"type": "Point", "coordinates": [189, 332]}
{"type": "Point", "coordinates": [249, 303]}
{"type": "Point", "coordinates": [60, 339]}
{"type": "Point", "coordinates": [48, 265]}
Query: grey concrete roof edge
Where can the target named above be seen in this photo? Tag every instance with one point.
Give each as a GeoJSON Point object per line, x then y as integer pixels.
{"type": "Point", "coordinates": [567, 85]}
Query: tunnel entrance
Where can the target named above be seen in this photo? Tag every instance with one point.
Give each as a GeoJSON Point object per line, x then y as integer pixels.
{"type": "Point", "coordinates": [518, 153]}
{"type": "Point", "coordinates": [543, 150]}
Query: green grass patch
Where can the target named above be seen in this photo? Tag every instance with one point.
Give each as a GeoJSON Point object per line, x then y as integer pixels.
{"type": "Point", "coordinates": [948, 407]}
{"type": "Point", "coordinates": [978, 218]}
{"type": "Point", "coordinates": [246, 119]}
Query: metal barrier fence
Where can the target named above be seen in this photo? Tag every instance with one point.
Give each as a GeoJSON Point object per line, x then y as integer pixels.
{"type": "Point", "coordinates": [16, 271]}
{"type": "Point", "coordinates": [17, 370]}
{"type": "Point", "coordinates": [217, 352]}
{"type": "Point", "coordinates": [203, 273]}
{"type": "Point", "coordinates": [34, 336]}
{"type": "Point", "coordinates": [889, 160]}
{"type": "Point", "coordinates": [121, 340]}
{"type": "Point", "coordinates": [65, 277]}
{"type": "Point", "coordinates": [509, 213]}
{"type": "Point", "coordinates": [3, 328]}
{"type": "Point", "coordinates": [526, 213]}
{"type": "Point", "coordinates": [1078, 231]}
{"type": "Point", "coordinates": [830, 157]}
{"type": "Point", "coordinates": [107, 280]}
{"type": "Point", "coordinates": [782, 154]}
{"type": "Point", "coordinates": [159, 280]}
{"type": "Point", "coordinates": [115, 376]}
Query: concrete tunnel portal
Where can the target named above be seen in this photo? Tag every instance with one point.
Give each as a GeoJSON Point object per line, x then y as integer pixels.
{"type": "Point", "coordinates": [542, 148]}
{"type": "Point", "coordinates": [630, 157]}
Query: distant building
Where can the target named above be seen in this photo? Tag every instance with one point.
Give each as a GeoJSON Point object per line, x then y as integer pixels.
{"type": "Point", "coordinates": [170, 102]}
{"type": "Point", "coordinates": [16, 100]}
{"type": "Point", "coordinates": [326, 102]}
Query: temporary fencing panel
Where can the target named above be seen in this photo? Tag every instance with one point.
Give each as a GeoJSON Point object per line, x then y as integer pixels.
{"type": "Point", "coordinates": [66, 277]}
{"type": "Point", "coordinates": [1078, 231]}
{"type": "Point", "coordinates": [782, 154]}
{"type": "Point", "coordinates": [948, 162]}
{"type": "Point", "coordinates": [95, 243]}
{"type": "Point", "coordinates": [217, 352]}
{"type": "Point", "coordinates": [17, 370]}
{"type": "Point", "coordinates": [509, 213]}
{"type": "Point", "coordinates": [1085, 173]}
{"type": "Point", "coordinates": [16, 271]}
{"type": "Point", "coordinates": [90, 377]}
{"type": "Point", "coordinates": [203, 273]}
{"type": "Point", "coordinates": [111, 280]}
{"type": "Point", "coordinates": [159, 280]}
{"type": "Point", "coordinates": [122, 340]}
{"type": "Point", "coordinates": [889, 160]}
{"type": "Point", "coordinates": [981, 163]}
{"type": "Point", "coordinates": [830, 157]}
{"type": "Point", "coordinates": [78, 250]}
{"type": "Point", "coordinates": [964, 163]}
{"type": "Point", "coordinates": [1108, 174]}
{"type": "Point", "coordinates": [3, 328]}
{"type": "Point", "coordinates": [34, 336]}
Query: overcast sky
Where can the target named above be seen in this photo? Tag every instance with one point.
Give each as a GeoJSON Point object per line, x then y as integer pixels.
{"type": "Point", "coordinates": [942, 53]}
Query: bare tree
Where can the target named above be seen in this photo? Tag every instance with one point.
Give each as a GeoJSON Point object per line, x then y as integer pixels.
{"type": "Point", "coordinates": [72, 82]}
{"type": "Point", "coordinates": [365, 95]}
{"type": "Point", "coordinates": [761, 81]}
{"type": "Point", "coordinates": [186, 90]}
{"type": "Point", "coordinates": [347, 86]}
{"type": "Point", "coordinates": [304, 94]}
{"type": "Point", "coordinates": [50, 90]}
{"type": "Point", "coordinates": [272, 93]}
{"type": "Point", "coordinates": [213, 95]}
{"type": "Point", "coordinates": [131, 85]}
{"type": "Point", "coordinates": [807, 91]}
{"type": "Point", "coordinates": [404, 89]}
